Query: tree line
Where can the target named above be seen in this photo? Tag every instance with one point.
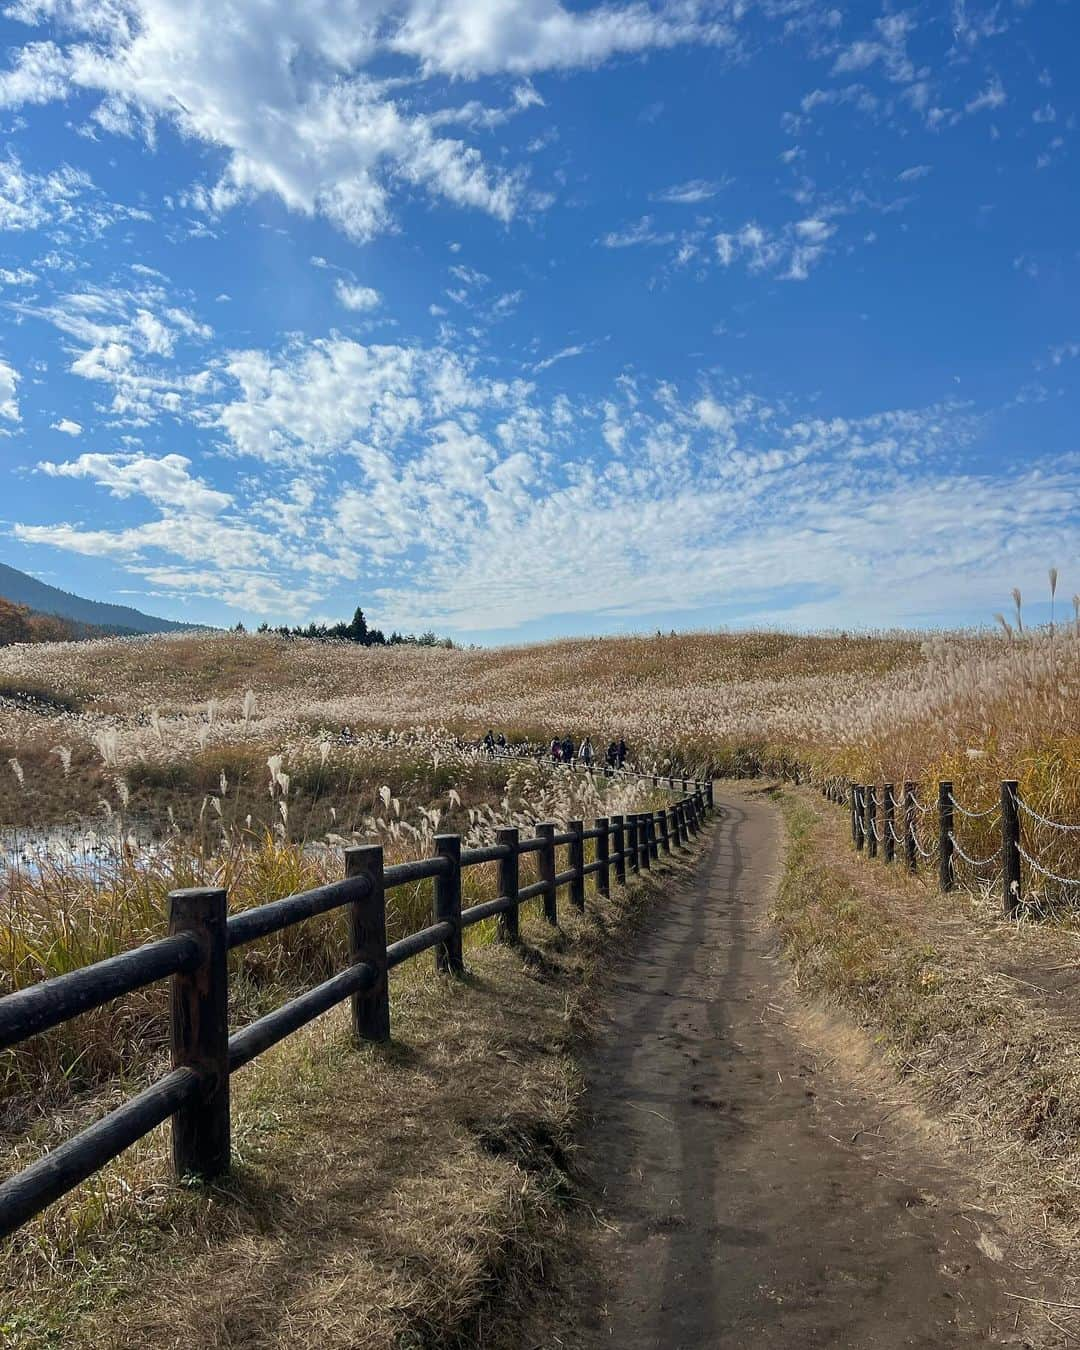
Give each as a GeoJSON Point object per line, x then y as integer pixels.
{"type": "Point", "coordinates": [19, 623]}
{"type": "Point", "coordinates": [356, 630]}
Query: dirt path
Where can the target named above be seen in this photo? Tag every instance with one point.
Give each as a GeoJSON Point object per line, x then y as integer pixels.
{"type": "Point", "coordinates": [736, 1210]}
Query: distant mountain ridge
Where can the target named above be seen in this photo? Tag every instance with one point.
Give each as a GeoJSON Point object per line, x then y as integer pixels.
{"type": "Point", "coordinates": [23, 589]}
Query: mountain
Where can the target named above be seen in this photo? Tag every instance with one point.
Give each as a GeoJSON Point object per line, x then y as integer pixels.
{"type": "Point", "coordinates": [22, 589]}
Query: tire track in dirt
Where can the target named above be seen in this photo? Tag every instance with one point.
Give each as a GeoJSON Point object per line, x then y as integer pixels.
{"type": "Point", "coordinates": [736, 1208]}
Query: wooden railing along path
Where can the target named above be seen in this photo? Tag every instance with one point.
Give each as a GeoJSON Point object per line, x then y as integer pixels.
{"type": "Point", "coordinates": [194, 957]}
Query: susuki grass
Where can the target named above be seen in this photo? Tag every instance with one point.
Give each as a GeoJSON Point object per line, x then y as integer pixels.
{"type": "Point", "coordinates": [382, 1196]}
{"type": "Point", "coordinates": [60, 915]}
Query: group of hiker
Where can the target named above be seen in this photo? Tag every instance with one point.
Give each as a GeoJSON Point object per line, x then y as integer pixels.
{"type": "Point", "coordinates": [562, 751]}
{"type": "Point", "coordinates": [565, 752]}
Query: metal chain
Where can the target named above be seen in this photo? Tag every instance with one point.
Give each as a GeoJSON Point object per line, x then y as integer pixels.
{"type": "Point", "coordinates": [974, 862]}
{"type": "Point", "coordinates": [1045, 872]}
{"type": "Point", "coordinates": [919, 848]}
{"type": "Point", "coordinates": [1054, 824]}
{"type": "Point", "coordinates": [972, 815]}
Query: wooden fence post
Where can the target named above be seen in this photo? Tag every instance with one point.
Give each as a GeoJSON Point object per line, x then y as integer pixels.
{"type": "Point", "coordinates": [684, 828]}
{"type": "Point", "coordinates": [860, 816]}
{"type": "Point", "coordinates": [366, 920]}
{"type": "Point", "coordinates": [1010, 847]}
{"type": "Point", "coordinates": [853, 795]}
{"type": "Point", "coordinates": [577, 862]}
{"type": "Point", "coordinates": [546, 831]}
{"type": "Point", "coordinates": [709, 792]}
{"type": "Point", "coordinates": [644, 843]}
{"type": "Point", "coordinates": [654, 837]}
{"type": "Point", "coordinates": [632, 848]}
{"type": "Point", "coordinates": [604, 874]}
{"type": "Point", "coordinates": [199, 1007]}
{"type": "Point", "coordinates": [618, 825]}
{"type": "Point", "coordinates": [888, 823]}
{"type": "Point", "coordinates": [665, 837]}
{"type": "Point", "coordinates": [871, 820]}
{"type": "Point", "coordinates": [946, 871]}
{"type": "Point", "coordinates": [447, 906]}
{"type": "Point", "coordinates": [910, 825]}
{"type": "Point", "coordinates": [509, 870]}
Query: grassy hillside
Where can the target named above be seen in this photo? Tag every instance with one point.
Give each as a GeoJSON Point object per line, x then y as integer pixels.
{"type": "Point", "coordinates": [895, 705]}
{"type": "Point", "coordinates": [22, 589]}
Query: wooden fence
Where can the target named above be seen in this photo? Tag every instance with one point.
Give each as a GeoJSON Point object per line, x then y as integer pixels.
{"type": "Point", "coordinates": [194, 957]}
{"type": "Point", "coordinates": [883, 822]}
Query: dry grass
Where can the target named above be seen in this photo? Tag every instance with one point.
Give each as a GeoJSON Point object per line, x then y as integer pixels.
{"type": "Point", "coordinates": [980, 1016]}
{"type": "Point", "coordinates": [214, 758]}
{"type": "Point", "coordinates": [385, 1196]}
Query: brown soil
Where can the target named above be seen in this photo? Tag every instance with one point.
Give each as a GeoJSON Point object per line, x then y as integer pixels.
{"type": "Point", "coordinates": [748, 1193]}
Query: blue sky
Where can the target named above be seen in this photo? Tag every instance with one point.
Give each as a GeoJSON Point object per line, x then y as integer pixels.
{"type": "Point", "coordinates": [516, 319]}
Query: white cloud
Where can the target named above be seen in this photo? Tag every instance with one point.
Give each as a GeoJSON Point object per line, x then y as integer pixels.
{"type": "Point", "coordinates": [357, 297]}
{"type": "Point", "coordinates": [287, 94]}
{"type": "Point", "coordinates": [563, 355]}
{"type": "Point", "coordinates": [127, 338]}
{"type": "Point", "coordinates": [474, 37]}
{"type": "Point", "coordinates": [39, 74]}
{"type": "Point", "coordinates": [913, 174]}
{"type": "Point", "coordinates": [165, 482]}
{"type": "Point", "coordinates": [9, 384]}
{"type": "Point", "coordinates": [1065, 351]}
{"type": "Point", "coordinates": [713, 415]}
{"type": "Point", "coordinates": [334, 395]}
{"type": "Point", "coordinates": [458, 498]}
{"type": "Point", "coordinates": [67, 426]}
{"type": "Point", "coordinates": [28, 200]}
{"type": "Point", "coordinates": [888, 46]}
{"type": "Point", "coordinates": [63, 198]}
{"type": "Point", "coordinates": [641, 233]}
{"type": "Point", "coordinates": [991, 98]}
{"type": "Point", "coordinates": [693, 192]}
{"type": "Point", "coordinates": [789, 252]}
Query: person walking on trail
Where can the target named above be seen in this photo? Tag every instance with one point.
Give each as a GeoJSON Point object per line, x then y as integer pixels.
{"type": "Point", "coordinates": [500, 743]}
{"type": "Point", "coordinates": [556, 750]}
{"type": "Point", "coordinates": [489, 742]}
{"type": "Point", "coordinates": [622, 752]}
{"type": "Point", "coordinates": [585, 752]}
{"type": "Point", "coordinates": [568, 750]}
{"type": "Point", "coordinates": [612, 757]}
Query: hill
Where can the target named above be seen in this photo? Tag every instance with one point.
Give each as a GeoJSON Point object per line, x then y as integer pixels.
{"type": "Point", "coordinates": [20, 624]}
{"type": "Point", "coordinates": [22, 589]}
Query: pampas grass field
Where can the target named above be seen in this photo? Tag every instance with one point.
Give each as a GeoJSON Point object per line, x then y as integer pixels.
{"type": "Point", "coordinates": [252, 760]}
{"type": "Point", "coordinates": [130, 767]}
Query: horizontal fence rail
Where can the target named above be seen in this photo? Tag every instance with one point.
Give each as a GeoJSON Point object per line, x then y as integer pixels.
{"type": "Point", "coordinates": [939, 834]}
{"type": "Point", "coordinates": [194, 958]}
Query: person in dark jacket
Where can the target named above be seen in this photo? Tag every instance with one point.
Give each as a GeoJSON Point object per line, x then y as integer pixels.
{"type": "Point", "coordinates": [568, 750]}
{"type": "Point", "coordinates": [612, 756]}
{"type": "Point", "coordinates": [622, 752]}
